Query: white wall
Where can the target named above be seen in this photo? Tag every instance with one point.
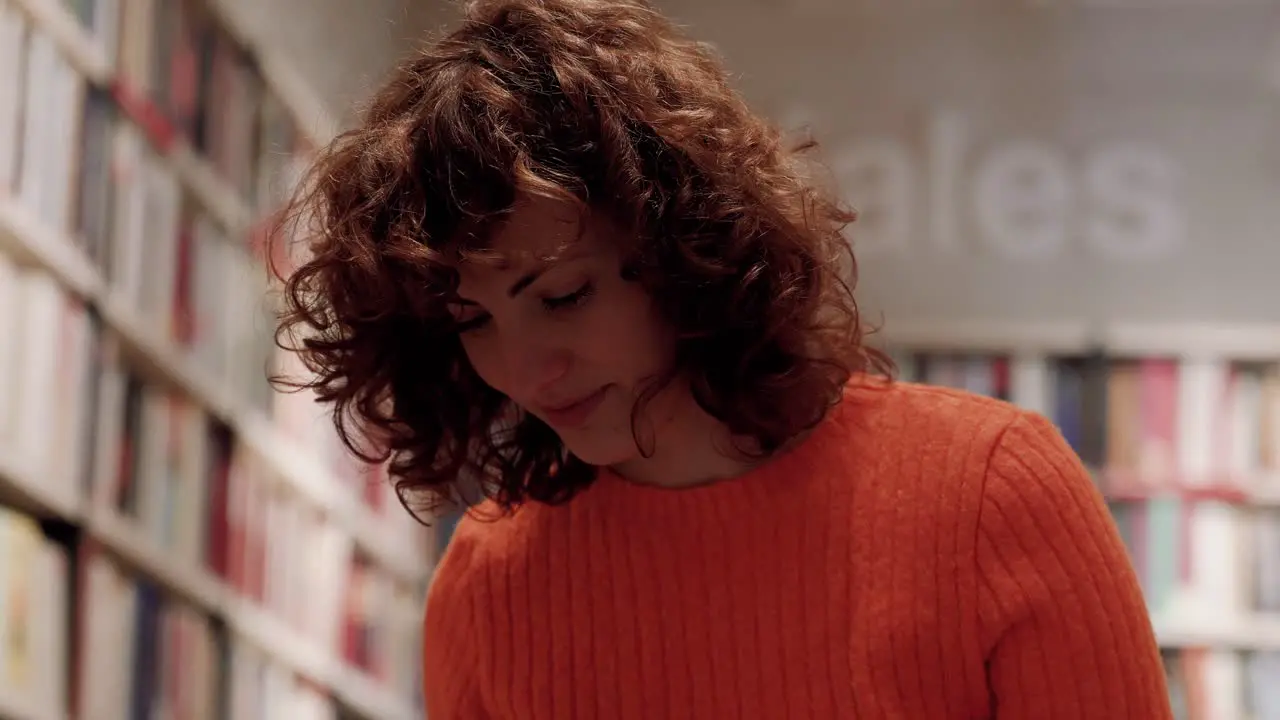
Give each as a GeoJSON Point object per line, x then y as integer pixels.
{"type": "Point", "coordinates": [1020, 164]}
{"type": "Point", "coordinates": [1035, 164]}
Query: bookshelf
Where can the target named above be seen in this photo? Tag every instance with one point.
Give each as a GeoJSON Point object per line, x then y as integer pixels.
{"type": "Point", "coordinates": [1180, 426]}
{"type": "Point", "coordinates": [178, 540]}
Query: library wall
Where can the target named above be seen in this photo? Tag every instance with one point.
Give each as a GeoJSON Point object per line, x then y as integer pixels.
{"type": "Point", "coordinates": [176, 539]}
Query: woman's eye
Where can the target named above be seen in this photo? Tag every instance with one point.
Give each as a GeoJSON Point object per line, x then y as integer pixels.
{"type": "Point", "coordinates": [577, 297]}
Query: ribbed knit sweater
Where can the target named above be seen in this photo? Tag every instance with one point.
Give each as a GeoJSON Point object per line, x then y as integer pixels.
{"type": "Point", "coordinates": [923, 554]}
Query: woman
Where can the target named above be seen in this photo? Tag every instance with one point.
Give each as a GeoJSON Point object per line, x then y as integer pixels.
{"type": "Point", "coordinates": [562, 258]}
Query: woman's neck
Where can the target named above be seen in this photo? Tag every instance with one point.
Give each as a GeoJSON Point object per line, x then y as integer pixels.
{"type": "Point", "coordinates": [692, 448]}
{"type": "Point", "coordinates": [689, 448]}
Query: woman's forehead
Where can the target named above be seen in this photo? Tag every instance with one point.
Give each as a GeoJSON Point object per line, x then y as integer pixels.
{"type": "Point", "coordinates": [537, 231]}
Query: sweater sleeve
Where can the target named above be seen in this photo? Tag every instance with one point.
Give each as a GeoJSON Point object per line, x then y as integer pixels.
{"type": "Point", "coordinates": [1063, 619]}
{"type": "Point", "coordinates": [450, 667]}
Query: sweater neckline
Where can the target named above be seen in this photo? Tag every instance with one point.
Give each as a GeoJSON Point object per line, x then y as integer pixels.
{"type": "Point", "coordinates": [796, 462]}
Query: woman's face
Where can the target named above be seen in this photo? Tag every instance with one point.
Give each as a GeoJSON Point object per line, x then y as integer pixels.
{"type": "Point", "coordinates": [568, 340]}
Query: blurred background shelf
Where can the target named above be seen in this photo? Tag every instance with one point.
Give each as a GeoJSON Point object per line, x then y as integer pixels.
{"type": "Point", "coordinates": [25, 237]}
{"type": "Point", "coordinates": [1261, 635]}
{"type": "Point", "coordinates": [176, 539]}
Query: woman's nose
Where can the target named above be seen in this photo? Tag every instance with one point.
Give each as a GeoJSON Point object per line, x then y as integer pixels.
{"type": "Point", "coordinates": [537, 366]}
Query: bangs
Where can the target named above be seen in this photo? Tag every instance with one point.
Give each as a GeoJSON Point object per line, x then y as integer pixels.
{"type": "Point", "coordinates": [471, 238]}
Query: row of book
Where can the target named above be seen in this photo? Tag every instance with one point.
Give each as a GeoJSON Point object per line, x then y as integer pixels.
{"type": "Point", "coordinates": [1201, 559]}
{"type": "Point", "coordinates": [86, 420]}
{"type": "Point", "coordinates": [188, 79]}
{"type": "Point", "coordinates": [84, 635]}
{"type": "Point", "coordinates": [148, 654]}
{"type": "Point", "coordinates": [191, 285]}
{"type": "Point", "coordinates": [76, 162]}
{"type": "Point", "coordinates": [74, 397]}
{"type": "Point", "coordinates": [1141, 422]}
{"type": "Point", "coordinates": [76, 159]}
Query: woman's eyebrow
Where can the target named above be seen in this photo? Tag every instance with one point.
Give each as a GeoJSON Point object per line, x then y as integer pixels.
{"type": "Point", "coordinates": [567, 253]}
{"type": "Point", "coordinates": [525, 281]}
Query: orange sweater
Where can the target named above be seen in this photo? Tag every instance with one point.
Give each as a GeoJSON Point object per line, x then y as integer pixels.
{"type": "Point", "coordinates": [924, 554]}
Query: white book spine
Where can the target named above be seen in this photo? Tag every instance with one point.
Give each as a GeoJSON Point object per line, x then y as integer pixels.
{"type": "Point", "coordinates": [1245, 413]}
{"type": "Point", "coordinates": [977, 375]}
{"type": "Point", "coordinates": [72, 385]}
{"type": "Point", "coordinates": [152, 476]}
{"type": "Point", "coordinates": [131, 214]}
{"type": "Point", "coordinates": [33, 180]}
{"type": "Point", "coordinates": [160, 244]}
{"type": "Point", "coordinates": [37, 354]}
{"type": "Point", "coordinates": [8, 549]}
{"type": "Point", "coordinates": [1266, 554]}
{"type": "Point", "coordinates": [10, 324]}
{"type": "Point", "coordinates": [1031, 384]}
{"type": "Point", "coordinates": [64, 121]}
{"type": "Point", "coordinates": [107, 28]}
{"type": "Point", "coordinates": [54, 581]}
{"type": "Point", "coordinates": [12, 31]}
{"type": "Point", "coordinates": [1224, 684]}
{"type": "Point", "coordinates": [1201, 384]}
{"type": "Point", "coordinates": [107, 448]}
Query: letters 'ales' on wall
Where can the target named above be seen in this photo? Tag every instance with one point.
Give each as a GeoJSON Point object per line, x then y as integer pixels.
{"type": "Point", "coordinates": [1020, 163]}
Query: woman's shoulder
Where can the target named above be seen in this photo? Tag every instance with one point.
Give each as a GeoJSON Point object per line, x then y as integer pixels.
{"type": "Point", "coordinates": [480, 534]}
{"type": "Point", "coordinates": [899, 416]}
{"type": "Point", "coordinates": [489, 541]}
{"type": "Point", "coordinates": [928, 403]}
{"type": "Point", "coordinates": [980, 450]}
{"type": "Point", "coordinates": [930, 418]}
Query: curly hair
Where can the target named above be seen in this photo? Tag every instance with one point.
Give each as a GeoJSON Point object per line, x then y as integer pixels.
{"type": "Point", "coordinates": [608, 103]}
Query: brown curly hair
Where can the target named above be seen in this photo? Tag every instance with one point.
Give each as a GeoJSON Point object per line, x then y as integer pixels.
{"type": "Point", "coordinates": [607, 102]}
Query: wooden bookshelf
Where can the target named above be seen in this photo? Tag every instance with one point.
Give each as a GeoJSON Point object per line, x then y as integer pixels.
{"type": "Point", "coordinates": [182, 505]}
{"type": "Point", "coordinates": [23, 236]}
{"type": "Point", "coordinates": [1260, 634]}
